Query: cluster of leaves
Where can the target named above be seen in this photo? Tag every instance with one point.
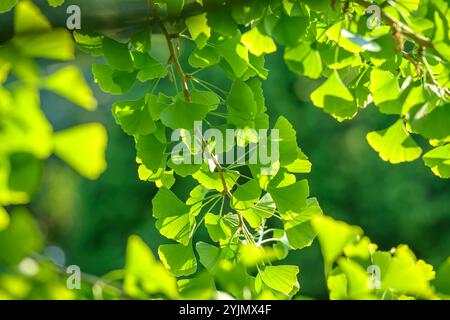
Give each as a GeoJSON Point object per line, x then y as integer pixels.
{"type": "Point", "coordinates": [255, 219]}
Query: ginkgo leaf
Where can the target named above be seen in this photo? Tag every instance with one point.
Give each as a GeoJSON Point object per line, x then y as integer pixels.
{"type": "Point", "coordinates": [56, 44]}
{"type": "Point", "coordinates": [221, 227]}
{"type": "Point", "coordinates": [179, 259]}
{"type": "Point", "coordinates": [335, 98]}
{"type": "Point", "coordinates": [290, 199]}
{"type": "Point", "coordinates": [211, 256]}
{"type": "Point", "coordinates": [290, 29]}
{"type": "Point", "coordinates": [258, 43]}
{"type": "Point", "coordinates": [241, 105]}
{"type": "Point", "coordinates": [134, 117]}
{"type": "Point", "coordinates": [118, 55]}
{"type": "Point", "coordinates": [149, 68]}
{"type": "Point", "coordinates": [150, 150]}
{"type": "Point", "coordinates": [246, 195]}
{"type": "Point", "coordinates": [199, 29]}
{"type": "Point", "coordinates": [21, 238]}
{"type": "Point", "coordinates": [203, 58]}
{"type": "Point", "coordinates": [404, 273]}
{"type": "Point", "coordinates": [385, 91]}
{"type": "Point", "coordinates": [89, 42]}
{"type": "Point", "coordinates": [55, 3]}
{"type": "Point", "coordinates": [113, 81]}
{"type": "Point", "coordinates": [144, 273]}
{"type": "Point", "coordinates": [442, 282]}
{"type": "Point", "coordinates": [434, 124]}
{"type": "Point", "coordinates": [235, 56]}
{"type": "Point", "coordinates": [299, 230]}
{"type": "Point", "coordinates": [394, 144]}
{"type": "Point", "coordinates": [183, 114]}
{"type": "Point", "coordinates": [7, 5]}
{"type": "Point", "coordinates": [141, 40]}
{"type": "Point", "coordinates": [438, 160]}
{"type": "Point", "coordinates": [174, 219]}
{"type": "Point", "coordinates": [304, 60]}
{"type": "Point", "coordinates": [281, 278]}
{"type": "Point", "coordinates": [213, 180]}
{"type": "Point", "coordinates": [83, 148]}
{"type": "Point", "coordinates": [333, 236]}
{"type": "Point", "coordinates": [69, 83]}
{"type": "Point", "coordinates": [28, 17]}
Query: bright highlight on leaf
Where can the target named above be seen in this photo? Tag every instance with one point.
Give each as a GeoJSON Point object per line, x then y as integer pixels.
{"type": "Point", "coordinates": [394, 144]}
{"type": "Point", "coordinates": [83, 148]}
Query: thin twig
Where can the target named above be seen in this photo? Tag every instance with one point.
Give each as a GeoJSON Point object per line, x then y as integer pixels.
{"type": "Point", "coordinates": [404, 29]}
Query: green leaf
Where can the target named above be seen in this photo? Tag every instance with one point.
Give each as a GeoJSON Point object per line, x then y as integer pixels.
{"type": "Point", "coordinates": [442, 282]}
{"type": "Point", "coordinates": [201, 287]}
{"type": "Point", "coordinates": [211, 256]}
{"type": "Point", "coordinates": [134, 117]}
{"type": "Point", "coordinates": [357, 280]}
{"type": "Point", "coordinates": [235, 56]}
{"type": "Point", "coordinates": [174, 221]}
{"type": "Point", "coordinates": [299, 230]}
{"type": "Point", "coordinates": [26, 129]}
{"type": "Point", "coordinates": [290, 30]}
{"type": "Point", "coordinates": [333, 236]}
{"type": "Point", "coordinates": [199, 29]}
{"type": "Point", "coordinates": [70, 84]}
{"type": "Point", "coordinates": [405, 274]}
{"type": "Point", "coordinates": [335, 98]}
{"type": "Point", "coordinates": [183, 114]}
{"type": "Point", "coordinates": [21, 238]}
{"type": "Point", "coordinates": [83, 148]}
{"type": "Point", "coordinates": [55, 3]}
{"type": "Point", "coordinates": [118, 55]}
{"type": "Point", "coordinates": [213, 181]}
{"type": "Point", "coordinates": [149, 68]}
{"type": "Point", "coordinates": [203, 58]}
{"type": "Point", "coordinates": [280, 278]}
{"type": "Point", "coordinates": [304, 60]}
{"type": "Point", "coordinates": [432, 124]}
{"type": "Point", "coordinates": [241, 105]}
{"type": "Point", "coordinates": [219, 228]}
{"type": "Point", "coordinates": [347, 40]}
{"type": "Point", "coordinates": [178, 259]}
{"type": "Point", "coordinates": [151, 151]}
{"type": "Point", "coordinates": [258, 43]}
{"type": "Point", "coordinates": [142, 40]}
{"type": "Point", "coordinates": [55, 44]}
{"type": "Point", "coordinates": [288, 150]}
{"type": "Point", "coordinates": [246, 195]}
{"type": "Point", "coordinates": [89, 43]}
{"type": "Point", "coordinates": [290, 199]}
{"type": "Point", "coordinates": [394, 144]}
{"type": "Point", "coordinates": [112, 81]}
{"type": "Point", "coordinates": [145, 275]}
{"type": "Point", "coordinates": [438, 160]}
{"type": "Point", "coordinates": [385, 91]}
{"type": "Point", "coordinates": [27, 17]}
{"type": "Point", "coordinates": [7, 5]}
{"type": "Point", "coordinates": [207, 98]}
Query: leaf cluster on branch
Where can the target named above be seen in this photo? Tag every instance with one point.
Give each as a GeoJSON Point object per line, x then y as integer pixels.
{"type": "Point", "coordinates": [253, 220]}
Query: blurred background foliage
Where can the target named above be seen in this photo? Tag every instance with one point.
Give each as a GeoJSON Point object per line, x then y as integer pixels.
{"type": "Point", "coordinates": [91, 220]}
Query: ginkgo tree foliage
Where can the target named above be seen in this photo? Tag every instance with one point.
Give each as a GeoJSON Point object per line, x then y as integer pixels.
{"type": "Point", "coordinates": [397, 62]}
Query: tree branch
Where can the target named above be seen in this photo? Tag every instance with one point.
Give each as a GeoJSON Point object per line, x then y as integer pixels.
{"type": "Point", "coordinates": [404, 29]}
{"type": "Point", "coordinates": [173, 55]}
